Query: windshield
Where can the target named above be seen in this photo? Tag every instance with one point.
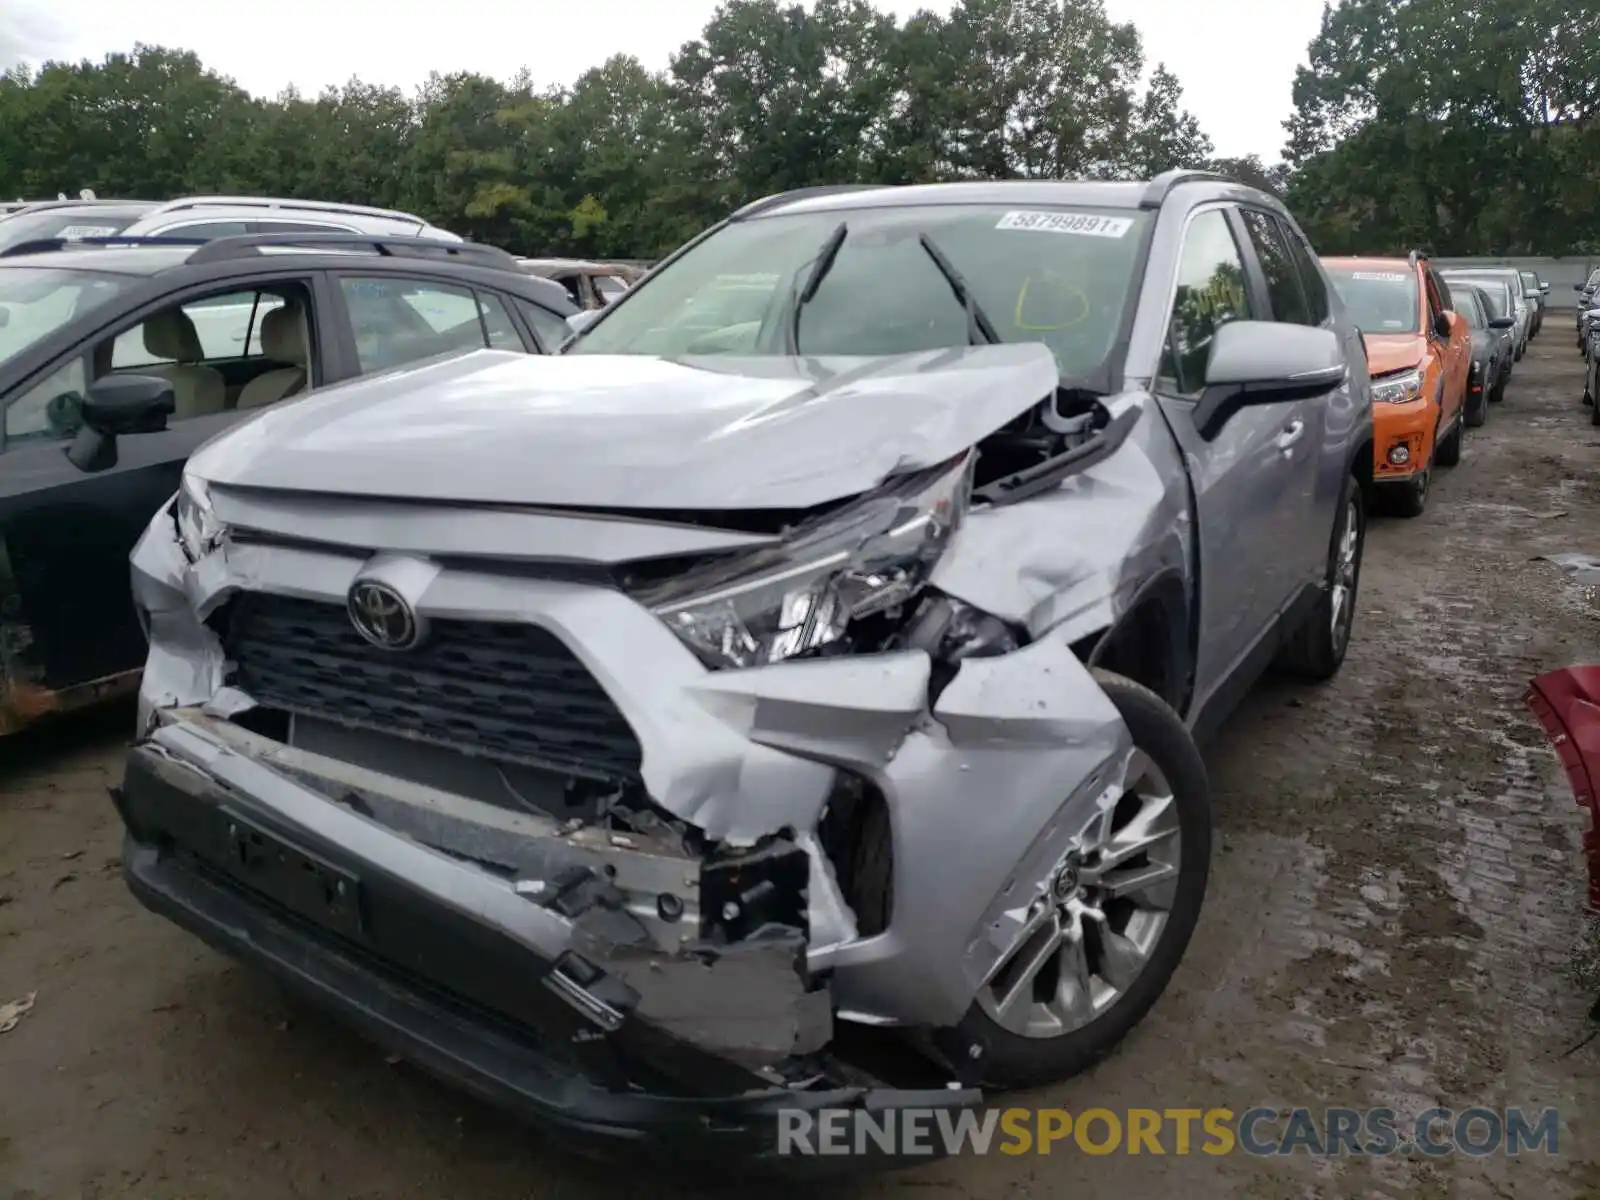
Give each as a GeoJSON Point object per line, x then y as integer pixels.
{"type": "Point", "coordinates": [1378, 300]}
{"type": "Point", "coordinates": [37, 301]}
{"type": "Point", "coordinates": [64, 223]}
{"type": "Point", "coordinates": [1057, 276]}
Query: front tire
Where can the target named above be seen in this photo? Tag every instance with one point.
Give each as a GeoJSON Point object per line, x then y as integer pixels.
{"type": "Point", "coordinates": [1448, 452]}
{"type": "Point", "coordinates": [1477, 411]}
{"type": "Point", "coordinates": [1410, 499]}
{"type": "Point", "coordinates": [1079, 982]}
{"type": "Point", "coordinates": [1316, 650]}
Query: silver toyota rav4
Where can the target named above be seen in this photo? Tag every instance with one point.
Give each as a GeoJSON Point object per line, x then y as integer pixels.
{"type": "Point", "coordinates": [683, 729]}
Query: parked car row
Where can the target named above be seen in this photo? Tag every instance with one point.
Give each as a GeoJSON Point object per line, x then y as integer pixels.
{"type": "Point", "coordinates": [1588, 320]}
{"type": "Point", "coordinates": [1441, 346]}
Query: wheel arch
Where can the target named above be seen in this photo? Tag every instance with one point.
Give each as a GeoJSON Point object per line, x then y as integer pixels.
{"type": "Point", "coordinates": [1151, 642]}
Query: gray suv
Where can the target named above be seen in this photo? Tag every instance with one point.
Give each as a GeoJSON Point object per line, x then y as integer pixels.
{"type": "Point", "coordinates": [634, 733]}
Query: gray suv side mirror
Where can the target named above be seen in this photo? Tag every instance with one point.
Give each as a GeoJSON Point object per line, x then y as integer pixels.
{"type": "Point", "coordinates": [1266, 362]}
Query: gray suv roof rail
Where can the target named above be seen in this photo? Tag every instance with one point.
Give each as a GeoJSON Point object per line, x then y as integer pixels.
{"type": "Point", "coordinates": [250, 245]}
{"type": "Point", "coordinates": [805, 193]}
{"type": "Point", "coordinates": [1159, 188]}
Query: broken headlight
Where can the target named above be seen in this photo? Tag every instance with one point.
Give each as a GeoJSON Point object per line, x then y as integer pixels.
{"type": "Point", "coordinates": [863, 560]}
{"type": "Point", "coordinates": [199, 531]}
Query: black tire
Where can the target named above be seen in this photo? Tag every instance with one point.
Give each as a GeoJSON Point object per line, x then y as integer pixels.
{"type": "Point", "coordinates": [1316, 650]}
{"type": "Point", "coordinates": [1448, 452]}
{"type": "Point", "coordinates": [1410, 499]}
{"type": "Point", "coordinates": [1477, 411]}
{"type": "Point", "coordinates": [1010, 1060]}
{"type": "Point", "coordinates": [1594, 414]}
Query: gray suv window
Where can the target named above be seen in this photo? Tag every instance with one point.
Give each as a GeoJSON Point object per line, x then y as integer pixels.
{"type": "Point", "coordinates": [1210, 292]}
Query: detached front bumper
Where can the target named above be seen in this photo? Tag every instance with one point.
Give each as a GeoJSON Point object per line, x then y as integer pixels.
{"type": "Point", "coordinates": [514, 993]}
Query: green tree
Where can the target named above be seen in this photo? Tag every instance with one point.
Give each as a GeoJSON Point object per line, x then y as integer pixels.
{"type": "Point", "coordinates": [1447, 125]}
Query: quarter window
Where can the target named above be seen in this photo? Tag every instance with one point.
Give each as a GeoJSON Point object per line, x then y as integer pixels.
{"type": "Point", "coordinates": [1277, 265]}
{"type": "Point", "coordinates": [1211, 292]}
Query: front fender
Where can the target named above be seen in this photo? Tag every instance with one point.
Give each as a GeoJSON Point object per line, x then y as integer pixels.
{"type": "Point", "coordinates": [983, 802]}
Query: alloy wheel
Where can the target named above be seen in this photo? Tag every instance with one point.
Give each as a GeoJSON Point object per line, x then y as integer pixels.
{"type": "Point", "coordinates": [1346, 564]}
{"type": "Point", "coordinates": [1092, 930]}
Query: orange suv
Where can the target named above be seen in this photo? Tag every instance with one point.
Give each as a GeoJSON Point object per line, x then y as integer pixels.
{"type": "Point", "coordinates": [1419, 354]}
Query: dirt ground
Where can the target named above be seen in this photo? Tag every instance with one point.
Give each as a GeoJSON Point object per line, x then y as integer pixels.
{"type": "Point", "coordinates": [1394, 919]}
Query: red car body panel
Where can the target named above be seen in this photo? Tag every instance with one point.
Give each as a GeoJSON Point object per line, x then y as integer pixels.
{"type": "Point", "coordinates": [1567, 704]}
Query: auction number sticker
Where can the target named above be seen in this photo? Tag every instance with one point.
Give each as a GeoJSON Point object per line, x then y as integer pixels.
{"type": "Point", "coordinates": [1083, 224]}
{"type": "Point", "coordinates": [1381, 276]}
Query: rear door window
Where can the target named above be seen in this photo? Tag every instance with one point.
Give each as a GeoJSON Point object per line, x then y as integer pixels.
{"type": "Point", "coordinates": [397, 320]}
{"type": "Point", "coordinates": [204, 230]}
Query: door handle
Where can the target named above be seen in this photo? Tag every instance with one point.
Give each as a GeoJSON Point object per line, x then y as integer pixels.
{"type": "Point", "coordinates": [1292, 433]}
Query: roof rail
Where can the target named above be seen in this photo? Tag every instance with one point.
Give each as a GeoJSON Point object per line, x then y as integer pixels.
{"type": "Point", "coordinates": [46, 245]}
{"type": "Point", "coordinates": [1157, 190]}
{"type": "Point", "coordinates": [805, 193]}
{"type": "Point", "coordinates": [184, 203]}
{"type": "Point", "coordinates": [251, 244]}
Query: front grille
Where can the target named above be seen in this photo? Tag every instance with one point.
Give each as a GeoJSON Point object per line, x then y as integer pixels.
{"type": "Point", "coordinates": [499, 690]}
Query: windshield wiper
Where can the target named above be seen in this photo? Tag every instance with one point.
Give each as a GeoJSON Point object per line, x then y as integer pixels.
{"type": "Point", "coordinates": [977, 320]}
{"type": "Point", "coordinates": [806, 285]}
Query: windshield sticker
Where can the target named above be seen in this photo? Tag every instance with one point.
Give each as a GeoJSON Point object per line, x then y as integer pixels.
{"type": "Point", "coordinates": [1082, 224]}
{"type": "Point", "coordinates": [1384, 276]}
{"type": "Point", "coordinates": [74, 233]}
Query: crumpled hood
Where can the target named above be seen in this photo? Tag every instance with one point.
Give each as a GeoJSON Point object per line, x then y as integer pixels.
{"type": "Point", "coordinates": [617, 431]}
{"type": "Point", "coordinates": [1394, 351]}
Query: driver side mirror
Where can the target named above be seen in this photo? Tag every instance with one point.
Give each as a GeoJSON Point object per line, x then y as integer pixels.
{"type": "Point", "coordinates": [1502, 322]}
{"type": "Point", "coordinates": [579, 321]}
{"type": "Point", "coordinates": [1544, 288]}
{"type": "Point", "coordinates": [119, 404]}
{"type": "Point", "coordinates": [1266, 362]}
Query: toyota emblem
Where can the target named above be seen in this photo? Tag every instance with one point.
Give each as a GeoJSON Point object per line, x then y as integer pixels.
{"type": "Point", "coordinates": [382, 616]}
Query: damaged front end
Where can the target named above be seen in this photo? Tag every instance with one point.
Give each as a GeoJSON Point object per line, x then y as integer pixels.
{"type": "Point", "coordinates": [628, 819]}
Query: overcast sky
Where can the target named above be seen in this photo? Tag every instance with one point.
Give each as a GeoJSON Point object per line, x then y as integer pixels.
{"type": "Point", "coordinates": [1236, 58]}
